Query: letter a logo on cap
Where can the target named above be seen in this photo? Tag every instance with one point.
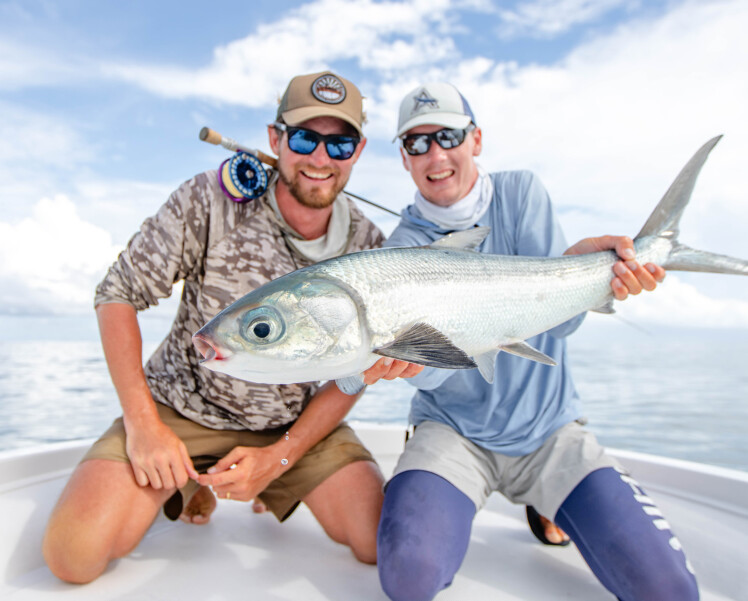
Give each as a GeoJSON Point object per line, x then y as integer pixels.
{"type": "Point", "coordinates": [329, 89]}
{"type": "Point", "coordinates": [422, 101]}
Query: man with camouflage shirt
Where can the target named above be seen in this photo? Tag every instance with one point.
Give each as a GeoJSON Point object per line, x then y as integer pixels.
{"type": "Point", "coordinates": [281, 444]}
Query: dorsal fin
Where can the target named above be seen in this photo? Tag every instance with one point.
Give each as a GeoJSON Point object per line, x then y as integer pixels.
{"type": "Point", "coordinates": [466, 239]}
{"type": "Point", "coordinates": [665, 218]}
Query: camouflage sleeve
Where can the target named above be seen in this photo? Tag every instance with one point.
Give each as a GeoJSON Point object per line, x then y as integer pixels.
{"type": "Point", "coordinates": [365, 234]}
{"type": "Point", "coordinates": [169, 246]}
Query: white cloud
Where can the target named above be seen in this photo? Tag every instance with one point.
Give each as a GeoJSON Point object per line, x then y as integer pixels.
{"type": "Point", "coordinates": [677, 303]}
{"type": "Point", "coordinates": [51, 261]}
{"type": "Point", "coordinates": [607, 127]}
{"type": "Point", "coordinates": [384, 36]}
{"type": "Point", "coordinates": [39, 153]}
{"type": "Point", "coordinates": [545, 18]}
{"type": "Point", "coordinates": [22, 65]}
{"type": "Point", "coordinates": [28, 136]}
{"type": "Point", "coordinates": [119, 205]}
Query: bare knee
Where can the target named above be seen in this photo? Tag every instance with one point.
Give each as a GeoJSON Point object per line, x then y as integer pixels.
{"type": "Point", "coordinates": [348, 505]}
{"type": "Point", "coordinates": [68, 559]}
{"type": "Point", "coordinates": [363, 544]}
{"type": "Point", "coordinates": [365, 551]}
{"type": "Point", "coordinates": [101, 515]}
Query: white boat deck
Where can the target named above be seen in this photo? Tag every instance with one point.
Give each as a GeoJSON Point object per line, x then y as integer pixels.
{"type": "Point", "coordinates": [240, 555]}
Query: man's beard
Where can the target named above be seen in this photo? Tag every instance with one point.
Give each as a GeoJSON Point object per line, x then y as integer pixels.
{"type": "Point", "coordinates": [314, 198]}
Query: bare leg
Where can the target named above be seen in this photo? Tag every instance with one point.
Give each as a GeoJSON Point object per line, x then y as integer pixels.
{"type": "Point", "coordinates": [348, 505]}
{"type": "Point", "coordinates": [101, 515]}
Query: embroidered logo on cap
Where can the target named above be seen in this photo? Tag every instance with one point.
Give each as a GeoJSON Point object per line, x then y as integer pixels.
{"type": "Point", "coordinates": [423, 101]}
{"type": "Point", "coordinates": [329, 89]}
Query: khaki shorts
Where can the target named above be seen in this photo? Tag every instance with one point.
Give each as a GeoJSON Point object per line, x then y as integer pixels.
{"type": "Point", "coordinates": [543, 479]}
{"type": "Point", "coordinates": [206, 446]}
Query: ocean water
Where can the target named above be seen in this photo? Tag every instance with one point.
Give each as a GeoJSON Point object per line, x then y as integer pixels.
{"type": "Point", "coordinates": [681, 393]}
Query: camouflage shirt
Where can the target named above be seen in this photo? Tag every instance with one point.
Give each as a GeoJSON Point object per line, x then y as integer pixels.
{"type": "Point", "coordinates": [222, 250]}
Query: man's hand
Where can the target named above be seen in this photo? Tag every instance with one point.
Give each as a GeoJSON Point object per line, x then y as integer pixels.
{"type": "Point", "coordinates": [158, 456]}
{"type": "Point", "coordinates": [630, 277]}
{"type": "Point", "coordinates": [389, 369]}
{"type": "Point", "coordinates": [245, 472]}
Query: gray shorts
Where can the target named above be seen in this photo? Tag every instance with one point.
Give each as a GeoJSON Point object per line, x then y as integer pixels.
{"type": "Point", "coordinates": [542, 479]}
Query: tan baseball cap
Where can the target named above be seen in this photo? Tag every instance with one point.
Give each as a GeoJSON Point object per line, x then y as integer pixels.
{"type": "Point", "coordinates": [321, 95]}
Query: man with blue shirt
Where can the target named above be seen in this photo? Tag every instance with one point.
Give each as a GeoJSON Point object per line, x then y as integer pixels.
{"type": "Point", "coordinates": [520, 435]}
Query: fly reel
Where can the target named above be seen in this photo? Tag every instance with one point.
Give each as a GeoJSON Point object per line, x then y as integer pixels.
{"type": "Point", "coordinates": [242, 177]}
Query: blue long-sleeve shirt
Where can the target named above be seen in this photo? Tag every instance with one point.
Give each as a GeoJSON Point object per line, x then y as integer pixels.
{"type": "Point", "coordinates": [527, 400]}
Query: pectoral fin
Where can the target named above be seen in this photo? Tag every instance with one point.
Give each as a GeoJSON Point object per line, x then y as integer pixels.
{"type": "Point", "coordinates": [522, 349]}
{"type": "Point", "coordinates": [351, 384]}
{"type": "Point", "coordinates": [426, 345]}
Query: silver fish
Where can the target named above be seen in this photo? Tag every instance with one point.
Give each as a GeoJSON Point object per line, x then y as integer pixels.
{"type": "Point", "coordinates": [443, 305]}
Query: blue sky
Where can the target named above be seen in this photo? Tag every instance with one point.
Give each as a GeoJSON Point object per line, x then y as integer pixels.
{"type": "Point", "coordinates": [101, 104]}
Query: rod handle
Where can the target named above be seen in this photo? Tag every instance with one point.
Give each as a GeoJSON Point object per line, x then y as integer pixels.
{"type": "Point", "coordinates": [265, 158]}
{"type": "Point", "coordinates": [210, 136]}
{"type": "Point", "coordinates": [213, 137]}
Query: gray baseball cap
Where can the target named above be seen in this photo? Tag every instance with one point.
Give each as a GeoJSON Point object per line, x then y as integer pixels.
{"type": "Point", "coordinates": [434, 104]}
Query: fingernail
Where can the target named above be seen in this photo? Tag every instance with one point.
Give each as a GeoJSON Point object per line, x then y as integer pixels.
{"type": "Point", "coordinates": [388, 361]}
{"type": "Point", "coordinates": [619, 268]}
{"type": "Point", "coordinates": [212, 470]}
{"type": "Point", "coordinates": [632, 265]}
{"type": "Point", "coordinates": [651, 268]}
{"type": "Point", "coordinates": [627, 253]}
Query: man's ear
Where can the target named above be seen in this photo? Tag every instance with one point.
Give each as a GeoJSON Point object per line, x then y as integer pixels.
{"type": "Point", "coordinates": [478, 138]}
{"type": "Point", "coordinates": [405, 159]}
{"type": "Point", "coordinates": [358, 150]}
{"type": "Point", "coordinates": [273, 140]}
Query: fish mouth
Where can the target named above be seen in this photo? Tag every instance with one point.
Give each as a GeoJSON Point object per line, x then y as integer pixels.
{"type": "Point", "coordinates": [207, 348]}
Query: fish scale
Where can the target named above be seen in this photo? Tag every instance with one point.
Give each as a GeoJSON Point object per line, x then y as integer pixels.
{"type": "Point", "coordinates": [445, 305]}
{"type": "Point", "coordinates": [501, 298]}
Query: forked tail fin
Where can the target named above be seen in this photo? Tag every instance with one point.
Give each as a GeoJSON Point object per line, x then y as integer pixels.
{"type": "Point", "coordinates": [665, 219]}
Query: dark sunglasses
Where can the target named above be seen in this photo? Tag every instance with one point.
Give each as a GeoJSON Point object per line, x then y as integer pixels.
{"type": "Point", "coordinates": [415, 144]}
{"type": "Point", "coordinates": [304, 141]}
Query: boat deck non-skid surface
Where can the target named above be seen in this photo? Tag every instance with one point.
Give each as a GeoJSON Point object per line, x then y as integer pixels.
{"type": "Point", "coordinates": [241, 555]}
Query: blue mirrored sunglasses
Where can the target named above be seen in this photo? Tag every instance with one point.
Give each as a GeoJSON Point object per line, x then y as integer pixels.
{"type": "Point", "coordinates": [304, 141]}
{"type": "Point", "coordinates": [415, 144]}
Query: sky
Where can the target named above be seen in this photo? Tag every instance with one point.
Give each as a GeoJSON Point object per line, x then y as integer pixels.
{"type": "Point", "coordinates": [605, 100]}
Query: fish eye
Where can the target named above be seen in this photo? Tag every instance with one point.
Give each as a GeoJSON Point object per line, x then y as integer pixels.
{"type": "Point", "coordinates": [262, 325]}
{"type": "Point", "coordinates": [261, 329]}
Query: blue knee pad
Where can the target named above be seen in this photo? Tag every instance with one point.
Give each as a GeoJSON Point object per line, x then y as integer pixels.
{"type": "Point", "coordinates": [423, 535]}
{"type": "Point", "coordinates": [625, 539]}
